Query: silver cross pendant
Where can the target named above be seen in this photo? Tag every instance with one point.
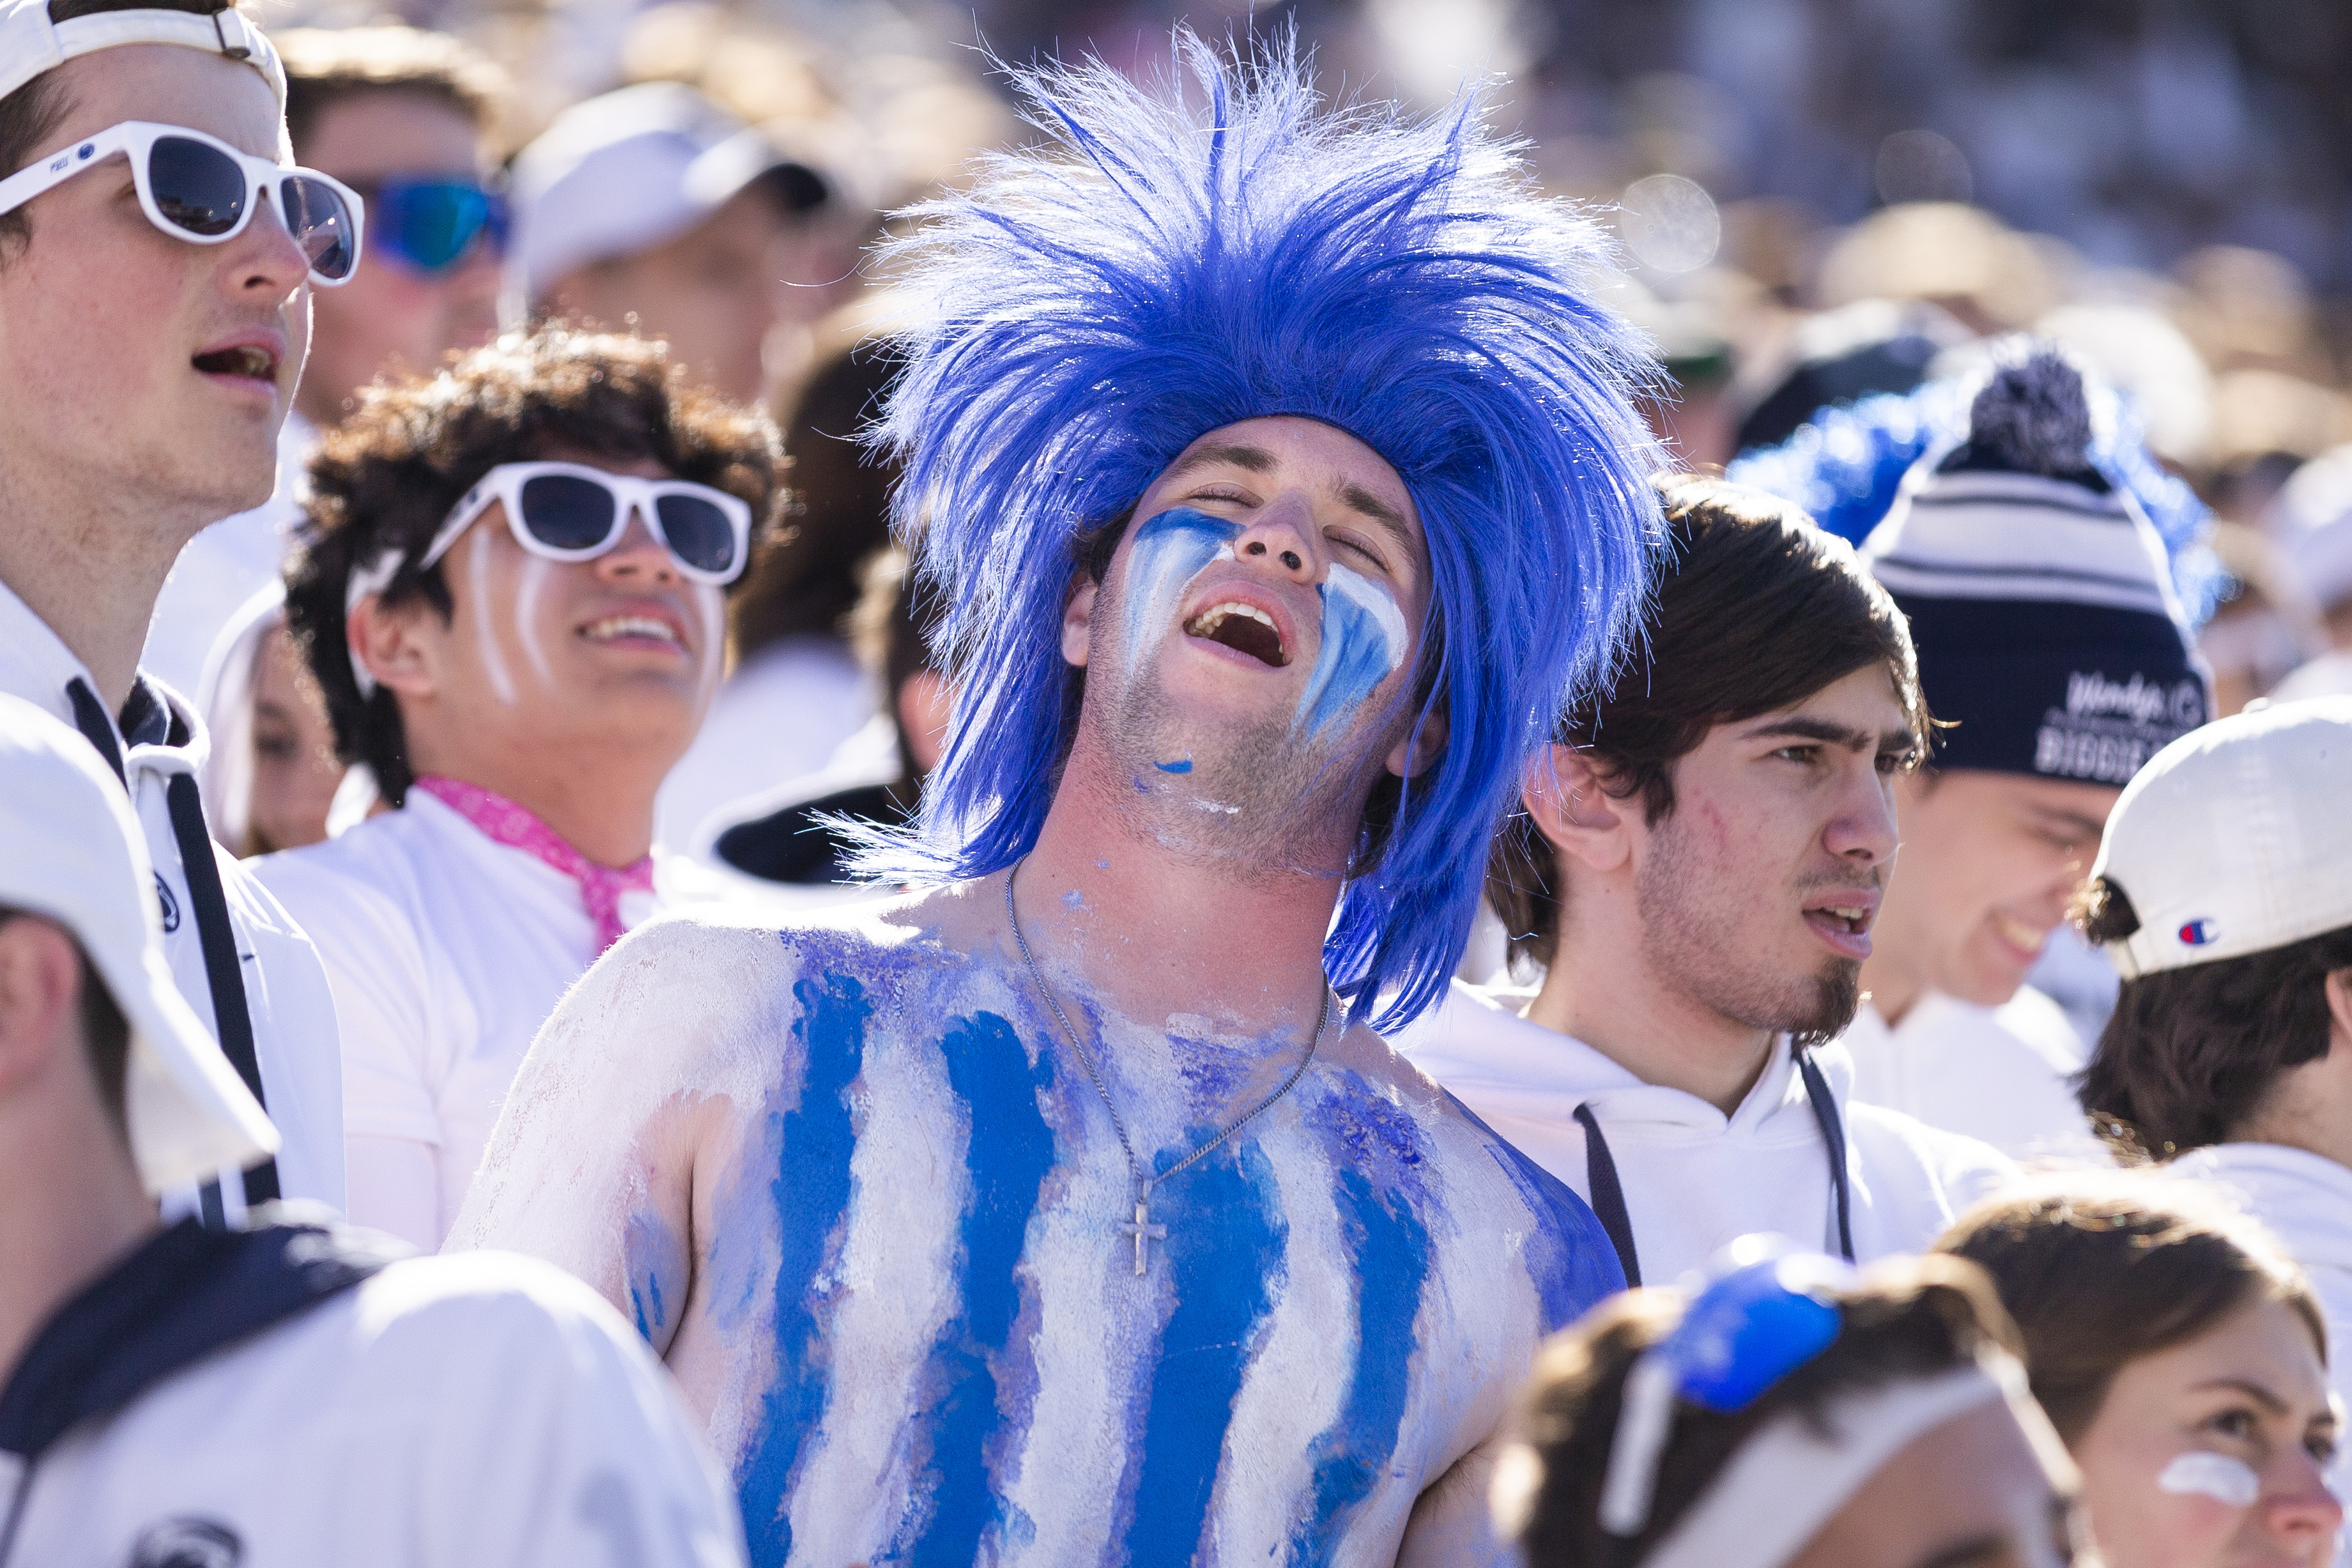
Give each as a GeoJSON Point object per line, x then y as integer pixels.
{"type": "Point", "coordinates": [1143, 1230]}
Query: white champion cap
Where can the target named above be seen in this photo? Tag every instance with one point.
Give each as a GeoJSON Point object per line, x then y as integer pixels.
{"type": "Point", "coordinates": [2236, 838]}
{"type": "Point", "coordinates": [71, 851]}
{"type": "Point", "coordinates": [624, 173]}
{"type": "Point", "coordinates": [31, 44]}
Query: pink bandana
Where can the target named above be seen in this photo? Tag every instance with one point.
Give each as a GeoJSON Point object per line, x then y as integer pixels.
{"type": "Point", "coordinates": [601, 887]}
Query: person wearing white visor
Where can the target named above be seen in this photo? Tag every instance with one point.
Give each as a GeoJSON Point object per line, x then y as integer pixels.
{"type": "Point", "coordinates": [157, 253]}
{"type": "Point", "coordinates": [1784, 1411]}
{"type": "Point", "coordinates": [284, 1393]}
{"type": "Point", "coordinates": [2224, 896]}
{"type": "Point", "coordinates": [654, 208]}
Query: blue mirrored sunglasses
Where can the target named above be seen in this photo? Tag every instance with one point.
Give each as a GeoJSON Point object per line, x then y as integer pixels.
{"type": "Point", "coordinates": [430, 225]}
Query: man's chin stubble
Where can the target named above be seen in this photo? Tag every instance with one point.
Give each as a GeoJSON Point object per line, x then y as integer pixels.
{"type": "Point", "coordinates": [1836, 997]}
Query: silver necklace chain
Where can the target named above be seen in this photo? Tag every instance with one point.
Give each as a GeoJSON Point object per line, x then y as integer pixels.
{"type": "Point", "coordinates": [1142, 1229]}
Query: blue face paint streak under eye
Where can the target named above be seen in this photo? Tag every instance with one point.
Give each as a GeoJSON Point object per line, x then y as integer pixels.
{"type": "Point", "coordinates": [1225, 1247]}
{"type": "Point", "coordinates": [1363, 643]}
{"type": "Point", "coordinates": [1170, 550]}
{"type": "Point", "coordinates": [813, 1144]}
{"type": "Point", "coordinates": [1390, 1248]}
{"type": "Point", "coordinates": [968, 1383]}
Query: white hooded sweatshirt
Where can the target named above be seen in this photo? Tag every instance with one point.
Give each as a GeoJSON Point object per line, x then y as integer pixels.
{"type": "Point", "coordinates": [2002, 1075]}
{"type": "Point", "coordinates": [2306, 1201]}
{"type": "Point", "coordinates": [1695, 1179]}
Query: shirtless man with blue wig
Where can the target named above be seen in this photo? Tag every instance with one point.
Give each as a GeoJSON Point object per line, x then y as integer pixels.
{"type": "Point", "coordinates": [1284, 481]}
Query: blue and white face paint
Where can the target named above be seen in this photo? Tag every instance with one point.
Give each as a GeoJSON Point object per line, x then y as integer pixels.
{"type": "Point", "coordinates": [1363, 643]}
{"type": "Point", "coordinates": [1168, 552]}
{"type": "Point", "coordinates": [1364, 639]}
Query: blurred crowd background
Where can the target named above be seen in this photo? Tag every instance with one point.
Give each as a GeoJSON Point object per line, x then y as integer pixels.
{"type": "Point", "coordinates": [1817, 201]}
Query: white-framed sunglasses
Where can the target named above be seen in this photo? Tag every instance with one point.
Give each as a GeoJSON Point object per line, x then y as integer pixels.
{"type": "Point", "coordinates": [570, 511]}
{"type": "Point", "coordinates": [199, 188]}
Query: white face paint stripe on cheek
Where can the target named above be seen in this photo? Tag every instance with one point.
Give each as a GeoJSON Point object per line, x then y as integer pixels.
{"type": "Point", "coordinates": [2202, 1473]}
{"type": "Point", "coordinates": [477, 584]}
{"type": "Point", "coordinates": [527, 628]}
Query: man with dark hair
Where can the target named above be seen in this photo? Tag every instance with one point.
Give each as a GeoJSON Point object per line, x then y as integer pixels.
{"type": "Point", "coordinates": [2054, 654]}
{"type": "Point", "coordinates": [1696, 867]}
{"type": "Point", "coordinates": [402, 117]}
{"type": "Point", "coordinates": [154, 307]}
{"type": "Point", "coordinates": [512, 593]}
{"type": "Point", "coordinates": [2222, 893]}
{"type": "Point", "coordinates": [283, 1392]}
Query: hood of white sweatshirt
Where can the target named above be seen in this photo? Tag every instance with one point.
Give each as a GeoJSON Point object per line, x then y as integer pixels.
{"type": "Point", "coordinates": [2304, 1198]}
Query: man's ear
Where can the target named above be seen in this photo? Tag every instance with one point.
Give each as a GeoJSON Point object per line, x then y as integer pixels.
{"type": "Point", "coordinates": [386, 641]}
{"type": "Point", "coordinates": [1563, 794]}
{"type": "Point", "coordinates": [40, 994]}
{"type": "Point", "coordinates": [1078, 621]}
{"type": "Point", "coordinates": [1422, 746]}
{"type": "Point", "coordinates": [2339, 1011]}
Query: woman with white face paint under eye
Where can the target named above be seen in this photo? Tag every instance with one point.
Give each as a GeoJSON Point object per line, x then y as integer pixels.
{"type": "Point", "coordinates": [2181, 1355]}
{"type": "Point", "coordinates": [518, 644]}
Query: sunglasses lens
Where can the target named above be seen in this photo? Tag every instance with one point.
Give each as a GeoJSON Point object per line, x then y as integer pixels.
{"type": "Point", "coordinates": [699, 532]}
{"type": "Point", "coordinates": [321, 224]}
{"type": "Point", "coordinates": [199, 188]}
{"type": "Point", "coordinates": [432, 225]}
{"type": "Point", "coordinates": [565, 513]}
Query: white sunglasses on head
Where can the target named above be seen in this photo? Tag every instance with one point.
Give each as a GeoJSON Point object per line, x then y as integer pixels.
{"type": "Point", "coordinates": [199, 188]}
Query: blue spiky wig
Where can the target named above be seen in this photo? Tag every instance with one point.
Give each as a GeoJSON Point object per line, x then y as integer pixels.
{"type": "Point", "coordinates": [1219, 247]}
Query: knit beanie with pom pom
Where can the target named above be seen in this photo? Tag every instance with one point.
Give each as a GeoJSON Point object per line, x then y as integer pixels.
{"type": "Point", "coordinates": [2040, 597]}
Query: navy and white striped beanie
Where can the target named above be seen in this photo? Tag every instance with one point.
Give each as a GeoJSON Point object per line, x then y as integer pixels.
{"type": "Point", "coordinates": [2040, 595]}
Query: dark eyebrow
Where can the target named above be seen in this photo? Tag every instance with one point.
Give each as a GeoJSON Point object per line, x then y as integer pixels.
{"type": "Point", "coordinates": [1357, 497]}
{"type": "Point", "coordinates": [1797, 727]}
{"type": "Point", "coordinates": [1254, 459]}
{"type": "Point", "coordinates": [2081, 826]}
{"type": "Point", "coordinates": [2253, 1391]}
{"type": "Point", "coordinates": [1977, 1549]}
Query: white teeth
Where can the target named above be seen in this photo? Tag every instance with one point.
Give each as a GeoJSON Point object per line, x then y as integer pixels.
{"type": "Point", "coordinates": [2018, 933]}
{"type": "Point", "coordinates": [628, 626]}
{"type": "Point", "coordinates": [253, 362]}
{"type": "Point", "coordinates": [1208, 620]}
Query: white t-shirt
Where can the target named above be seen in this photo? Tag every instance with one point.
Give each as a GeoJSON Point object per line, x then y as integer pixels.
{"type": "Point", "coordinates": [223, 566]}
{"type": "Point", "coordinates": [446, 950]}
{"type": "Point", "coordinates": [477, 1409]}
{"type": "Point", "coordinates": [286, 993]}
{"type": "Point", "coordinates": [2000, 1075]}
{"type": "Point", "coordinates": [780, 717]}
{"type": "Point", "coordinates": [1695, 1179]}
{"type": "Point", "coordinates": [2306, 1201]}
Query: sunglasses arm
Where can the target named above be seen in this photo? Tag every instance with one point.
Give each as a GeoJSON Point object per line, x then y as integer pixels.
{"type": "Point", "coordinates": [36, 179]}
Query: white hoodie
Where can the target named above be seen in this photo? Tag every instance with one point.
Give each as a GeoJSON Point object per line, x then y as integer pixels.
{"type": "Point", "coordinates": [1999, 1074]}
{"type": "Point", "coordinates": [1695, 1179]}
{"type": "Point", "coordinates": [2306, 1201]}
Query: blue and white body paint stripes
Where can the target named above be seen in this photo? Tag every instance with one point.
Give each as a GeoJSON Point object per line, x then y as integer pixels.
{"type": "Point", "coordinates": [916, 1263]}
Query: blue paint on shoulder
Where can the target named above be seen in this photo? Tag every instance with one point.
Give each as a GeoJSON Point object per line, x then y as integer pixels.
{"type": "Point", "coordinates": [1225, 1251]}
{"type": "Point", "coordinates": [813, 1144]}
{"type": "Point", "coordinates": [1180, 765]}
{"type": "Point", "coordinates": [965, 1424]}
{"type": "Point", "coordinates": [1571, 1259]}
{"type": "Point", "coordinates": [1389, 1246]}
{"type": "Point", "coordinates": [649, 1249]}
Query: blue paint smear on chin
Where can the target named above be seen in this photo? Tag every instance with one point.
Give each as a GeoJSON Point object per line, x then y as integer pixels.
{"type": "Point", "coordinates": [813, 1144]}
{"type": "Point", "coordinates": [1225, 1249]}
{"type": "Point", "coordinates": [1363, 643]}
{"type": "Point", "coordinates": [1181, 766]}
{"type": "Point", "coordinates": [969, 1381]}
{"type": "Point", "coordinates": [1168, 552]}
{"type": "Point", "coordinates": [1390, 1248]}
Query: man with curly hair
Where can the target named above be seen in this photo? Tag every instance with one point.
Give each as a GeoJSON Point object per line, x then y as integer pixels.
{"type": "Point", "coordinates": [512, 594]}
{"type": "Point", "coordinates": [1282, 480]}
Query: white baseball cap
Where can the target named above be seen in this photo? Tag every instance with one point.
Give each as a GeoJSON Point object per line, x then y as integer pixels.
{"type": "Point", "coordinates": [71, 851]}
{"type": "Point", "coordinates": [624, 173]}
{"type": "Point", "coordinates": [31, 44]}
{"type": "Point", "coordinates": [2236, 838]}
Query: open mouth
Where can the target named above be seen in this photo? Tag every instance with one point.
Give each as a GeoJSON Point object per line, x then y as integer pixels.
{"type": "Point", "coordinates": [246, 359]}
{"type": "Point", "coordinates": [2025, 938]}
{"type": "Point", "coordinates": [1845, 918]}
{"type": "Point", "coordinates": [631, 628]}
{"type": "Point", "coordinates": [1845, 926]}
{"type": "Point", "coordinates": [1244, 628]}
